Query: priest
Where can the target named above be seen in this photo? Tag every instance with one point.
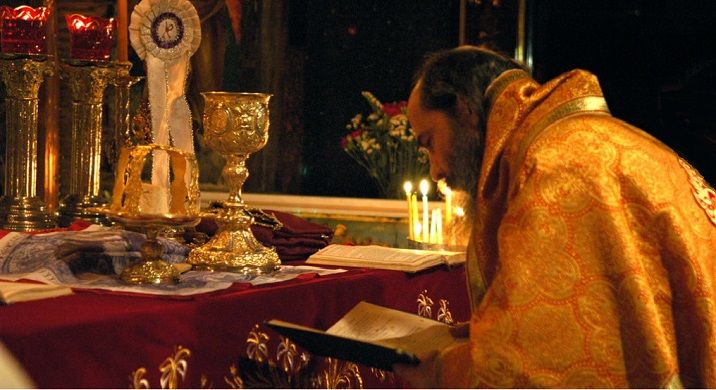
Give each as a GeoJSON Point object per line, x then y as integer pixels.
{"type": "Point", "coordinates": [592, 255]}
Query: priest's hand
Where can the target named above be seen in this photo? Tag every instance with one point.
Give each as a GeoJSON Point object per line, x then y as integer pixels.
{"type": "Point", "coordinates": [422, 376]}
{"type": "Point", "coordinates": [460, 330]}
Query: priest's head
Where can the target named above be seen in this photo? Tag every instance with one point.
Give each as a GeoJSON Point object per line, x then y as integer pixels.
{"type": "Point", "coordinates": [447, 111]}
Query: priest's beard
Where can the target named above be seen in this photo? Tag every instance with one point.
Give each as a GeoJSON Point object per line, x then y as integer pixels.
{"type": "Point", "coordinates": [465, 163]}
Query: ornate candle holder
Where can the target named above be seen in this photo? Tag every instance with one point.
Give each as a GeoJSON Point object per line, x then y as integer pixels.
{"type": "Point", "coordinates": [235, 125]}
{"type": "Point", "coordinates": [87, 81]}
{"type": "Point", "coordinates": [151, 269]}
{"type": "Point", "coordinates": [21, 208]}
{"type": "Point", "coordinates": [90, 37]}
{"type": "Point", "coordinates": [24, 30]}
{"type": "Point", "coordinates": [132, 208]}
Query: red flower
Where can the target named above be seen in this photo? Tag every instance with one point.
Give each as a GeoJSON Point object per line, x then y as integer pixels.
{"type": "Point", "coordinates": [395, 108]}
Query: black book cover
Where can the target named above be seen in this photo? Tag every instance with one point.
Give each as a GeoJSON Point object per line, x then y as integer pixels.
{"type": "Point", "coordinates": [321, 343]}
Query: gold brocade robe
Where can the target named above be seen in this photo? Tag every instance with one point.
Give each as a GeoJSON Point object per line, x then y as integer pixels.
{"type": "Point", "coordinates": [592, 258]}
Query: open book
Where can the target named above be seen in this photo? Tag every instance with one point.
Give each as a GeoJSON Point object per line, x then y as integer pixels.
{"type": "Point", "coordinates": [374, 256]}
{"type": "Point", "coordinates": [372, 335]}
{"type": "Point", "coordinates": [11, 292]}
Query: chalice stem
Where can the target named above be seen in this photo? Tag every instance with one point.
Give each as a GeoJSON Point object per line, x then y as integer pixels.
{"type": "Point", "coordinates": [235, 174]}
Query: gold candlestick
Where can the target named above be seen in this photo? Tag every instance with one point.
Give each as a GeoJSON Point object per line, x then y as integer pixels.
{"type": "Point", "coordinates": [22, 209]}
{"type": "Point", "coordinates": [132, 207]}
{"type": "Point", "coordinates": [87, 83]}
{"type": "Point", "coordinates": [123, 83]}
{"type": "Point", "coordinates": [235, 125]}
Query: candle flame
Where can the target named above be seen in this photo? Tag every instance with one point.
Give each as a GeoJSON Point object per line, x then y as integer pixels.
{"type": "Point", "coordinates": [424, 186]}
{"type": "Point", "coordinates": [408, 187]}
{"type": "Point", "coordinates": [442, 185]}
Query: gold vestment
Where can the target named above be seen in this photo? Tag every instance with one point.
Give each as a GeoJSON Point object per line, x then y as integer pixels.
{"type": "Point", "coordinates": [592, 257]}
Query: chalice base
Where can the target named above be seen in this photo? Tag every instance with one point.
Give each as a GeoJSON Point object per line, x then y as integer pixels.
{"type": "Point", "coordinates": [235, 251]}
{"type": "Point", "coordinates": [155, 271]}
{"type": "Point", "coordinates": [73, 207]}
{"type": "Point", "coordinates": [25, 214]}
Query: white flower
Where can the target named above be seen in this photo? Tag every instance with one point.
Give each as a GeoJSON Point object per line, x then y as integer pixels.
{"type": "Point", "coordinates": [356, 120]}
{"type": "Point", "coordinates": [399, 120]}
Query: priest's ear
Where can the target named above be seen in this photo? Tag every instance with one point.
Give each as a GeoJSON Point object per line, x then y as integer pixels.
{"type": "Point", "coordinates": [465, 113]}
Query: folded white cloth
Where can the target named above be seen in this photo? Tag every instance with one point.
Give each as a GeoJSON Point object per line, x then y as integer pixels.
{"type": "Point", "coordinates": [96, 249]}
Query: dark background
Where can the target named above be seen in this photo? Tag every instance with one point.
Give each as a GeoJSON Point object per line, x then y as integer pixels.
{"type": "Point", "coordinates": [354, 46]}
{"type": "Point", "coordinates": [655, 60]}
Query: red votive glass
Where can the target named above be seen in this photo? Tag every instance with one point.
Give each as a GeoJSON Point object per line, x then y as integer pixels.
{"type": "Point", "coordinates": [24, 30]}
{"type": "Point", "coordinates": [4, 10]}
{"type": "Point", "coordinates": [90, 37]}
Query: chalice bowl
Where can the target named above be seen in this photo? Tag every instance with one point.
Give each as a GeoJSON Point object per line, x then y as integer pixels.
{"type": "Point", "coordinates": [236, 124]}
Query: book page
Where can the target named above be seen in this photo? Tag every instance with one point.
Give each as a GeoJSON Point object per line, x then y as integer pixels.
{"type": "Point", "coordinates": [11, 292]}
{"type": "Point", "coordinates": [435, 337]}
{"type": "Point", "coordinates": [374, 256]}
{"type": "Point", "coordinates": [371, 322]}
{"type": "Point", "coordinates": [377, 253]}
{"type": "Point", "coordinates": [394, 328]}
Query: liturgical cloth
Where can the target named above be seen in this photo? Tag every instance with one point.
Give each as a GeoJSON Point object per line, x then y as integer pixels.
{"type": "Point", "coordinates": [593, 250]}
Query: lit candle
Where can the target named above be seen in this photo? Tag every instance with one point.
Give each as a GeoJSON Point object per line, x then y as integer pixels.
{"type": "Point", "coordinates": [447, 193]}
{"type": "Point", "coordinates": [440, 226]}
{"type": "Point", "coordinates": [424, 186]}
{"type": "Point", "coordinates": [24, 30]}
{"type": "Point", "coordinates": [414, 212]}
{"type": "Point", "coordinates": [448, 205]}
{"type": "Point", "coordinates": [90, 37]}
{"type": "Point", "coordinates": [408, 187]}
{"type": "Point", "coordinates": [434, 227]}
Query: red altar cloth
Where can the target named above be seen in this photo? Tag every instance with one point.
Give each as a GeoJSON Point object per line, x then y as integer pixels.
{"type": "Point", "coordinates": [103, 339]}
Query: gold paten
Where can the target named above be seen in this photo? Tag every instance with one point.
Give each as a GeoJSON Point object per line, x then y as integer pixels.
{"type": "Point", "coordinates": [235, 125]}
{"type": "Point", "coordinates": [22, 209]}
{"type": "Point", "coordinates": [87, 81]}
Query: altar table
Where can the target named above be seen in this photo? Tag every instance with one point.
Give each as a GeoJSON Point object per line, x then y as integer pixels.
{"type": "Point", "coordinates": [101, 339]}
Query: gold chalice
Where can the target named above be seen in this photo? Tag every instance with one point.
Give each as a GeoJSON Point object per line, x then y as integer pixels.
{"type": "Point", "coordinates": [236, 124]}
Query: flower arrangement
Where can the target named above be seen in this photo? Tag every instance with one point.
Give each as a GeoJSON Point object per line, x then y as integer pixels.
{"type": "Point", "coordinates": [383, 143]}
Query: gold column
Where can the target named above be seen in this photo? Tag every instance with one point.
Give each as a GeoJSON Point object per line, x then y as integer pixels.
{"type": "Point", "coordinates": [87, 84]}
{"type": "Point", "coordinates": [21, 208]}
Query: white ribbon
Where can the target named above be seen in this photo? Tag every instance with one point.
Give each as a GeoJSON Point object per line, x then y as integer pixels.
{"type": "Point", "coordinates": [168, 64]}
{"type": "Point", "coordinates": [171, 119]}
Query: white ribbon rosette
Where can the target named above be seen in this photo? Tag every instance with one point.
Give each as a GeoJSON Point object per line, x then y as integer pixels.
{"type": "Point", "coordinates": [165, 34]}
